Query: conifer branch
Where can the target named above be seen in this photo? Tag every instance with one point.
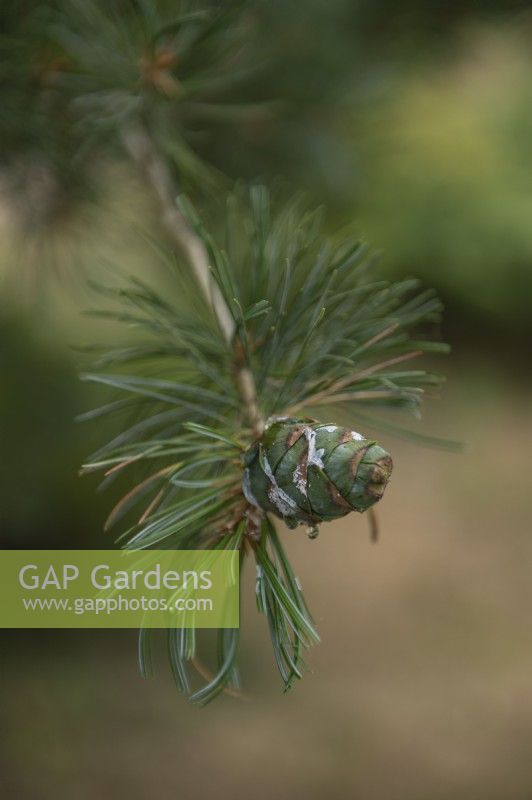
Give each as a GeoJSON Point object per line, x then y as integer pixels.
{"type": "Point", "coordinates": [140, 147]}
{"type": "Point", "coordinates": [312, 325]}
{"type": "Point", "coordinates": [142, 150]}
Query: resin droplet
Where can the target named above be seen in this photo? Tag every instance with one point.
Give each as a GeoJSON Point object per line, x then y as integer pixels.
{"type": "Point", "coordinates": [313, 532]}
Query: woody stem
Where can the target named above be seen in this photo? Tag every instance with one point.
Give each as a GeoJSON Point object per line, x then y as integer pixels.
{"type": "Point", "coordinates": [139, 145]}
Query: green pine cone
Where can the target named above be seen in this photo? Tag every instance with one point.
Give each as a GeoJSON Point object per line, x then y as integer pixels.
{"type": "Point", "coordinates": [306, 472]}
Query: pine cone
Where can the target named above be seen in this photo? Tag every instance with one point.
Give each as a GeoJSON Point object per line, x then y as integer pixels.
{"type": "Point", "coordinates": [306, 472]}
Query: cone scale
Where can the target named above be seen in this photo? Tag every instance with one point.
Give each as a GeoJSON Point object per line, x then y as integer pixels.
{"type": "Point", "coordinates": [306, 472]}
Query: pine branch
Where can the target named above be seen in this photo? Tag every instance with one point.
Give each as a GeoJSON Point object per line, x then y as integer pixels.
{"type": "Point", "coordinates": [314, 328]}
{"type": "Point", "coordinates": [291, 320]}
{"type": "Point", "coordinates": [140, 147]}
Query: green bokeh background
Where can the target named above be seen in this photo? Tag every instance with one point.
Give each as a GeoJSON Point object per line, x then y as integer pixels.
{"type": "Point", "coordinates": [412, 122]}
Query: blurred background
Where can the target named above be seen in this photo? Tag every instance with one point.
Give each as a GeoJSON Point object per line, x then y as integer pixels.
{"type": "Point", "coordinates": [412, 122]}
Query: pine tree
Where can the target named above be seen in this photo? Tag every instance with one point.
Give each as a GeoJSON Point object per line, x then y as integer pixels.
{"type": "Point", "coordinates": [236, 396]}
